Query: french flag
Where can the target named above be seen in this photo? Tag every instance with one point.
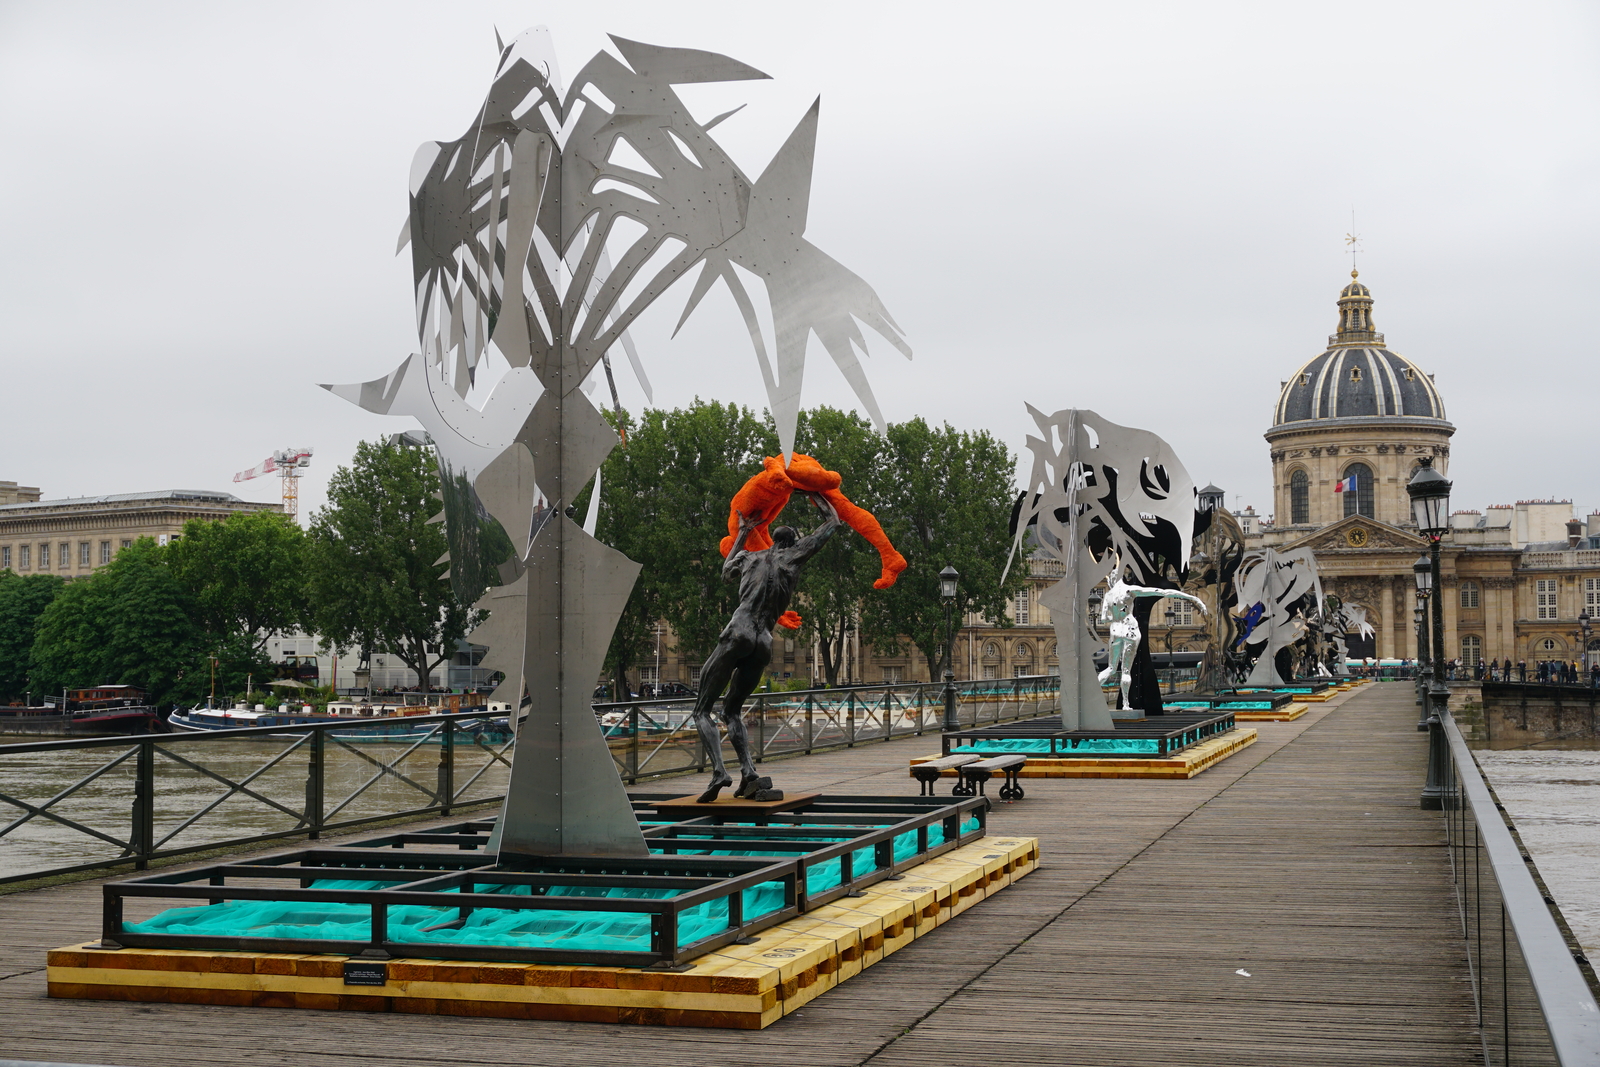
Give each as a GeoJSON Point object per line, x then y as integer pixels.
{"type": "Point", "coordinates": [1346, 486]}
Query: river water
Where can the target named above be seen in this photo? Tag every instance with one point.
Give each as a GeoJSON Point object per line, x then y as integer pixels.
{"type": "Point", "coordinates": [1554, 799]}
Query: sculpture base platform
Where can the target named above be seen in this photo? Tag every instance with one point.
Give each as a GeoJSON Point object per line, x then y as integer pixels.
{"type": "Point", "coordinates": [744, 987]}
{"type": "Point", "coordinates": [690, 806]}
{"type": "Point", "coordinates": [1287, 713]}
{"type": "Point", "coordinates": [1186, 764]}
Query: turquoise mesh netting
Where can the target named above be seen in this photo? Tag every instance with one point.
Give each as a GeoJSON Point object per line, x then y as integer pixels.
{"type": "Point", "coordinates": [1231, 705]}
{"type": "Point", "coordinates": [1113, 746]}
{"type": "Point", "coordinates": [611, 931]}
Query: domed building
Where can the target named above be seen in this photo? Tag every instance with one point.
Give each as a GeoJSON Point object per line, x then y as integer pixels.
{"type": "Point", "coordinates": [1350, 427]}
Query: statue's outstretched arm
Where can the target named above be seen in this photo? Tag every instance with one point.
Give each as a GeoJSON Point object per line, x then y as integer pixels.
{"type": "Point", "coordinates": [808, 545]}
{"type": "Point", "coordinates": [735, 561]}
{"type": "Point", "coordinates": [1172, 594]}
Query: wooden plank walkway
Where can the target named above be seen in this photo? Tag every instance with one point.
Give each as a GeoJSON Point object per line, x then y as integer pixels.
{"type": "Point", "coordinates": [1304, 860]}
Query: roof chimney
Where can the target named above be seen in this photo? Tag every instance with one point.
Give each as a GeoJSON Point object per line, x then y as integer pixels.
{"type": "Point", "coordinates": [1574, 533]}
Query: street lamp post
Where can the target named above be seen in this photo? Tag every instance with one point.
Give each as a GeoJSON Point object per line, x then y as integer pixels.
{"type": "Point", "coordinates": [1584, 619]}
{"type": "Point", "coordinates": [1422, 571]}
{"type": "Point", "coordinates": [1172, 617]}
{"type": "Point", "coordinates": [1430, 506]}
{"type": "Point", "coordinates": [948, 579]}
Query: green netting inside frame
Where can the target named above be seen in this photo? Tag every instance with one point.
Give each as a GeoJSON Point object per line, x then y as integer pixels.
{"type": "Point", "coordinates": [620, 930]}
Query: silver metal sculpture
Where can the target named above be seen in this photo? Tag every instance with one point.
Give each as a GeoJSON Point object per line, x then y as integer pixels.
{"type": "Point", "coordinates": [1336, 620]}
{"type": "Point", "coordinates": [541, 234]}
{"type": "Point", "coordinates": [1116, 610]}
{"type": "Point", "coordinates": [1101, 498]}
{"type": "Point", "coordinates": [1272, 586]}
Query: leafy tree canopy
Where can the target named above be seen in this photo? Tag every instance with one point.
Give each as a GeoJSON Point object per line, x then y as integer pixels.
{"type": "Point", "coordinates": [375, 573]}
{"type": "Point", "coordinates": [130, 623]}
{"type": "Point", "coordinates": [247, 576]}
{"type": "Point", "coordinates": [22, 601]}
{"type": "Point", "coordinates": [946, 501]}
{"type": "Point", "coordinates": [944, 496]}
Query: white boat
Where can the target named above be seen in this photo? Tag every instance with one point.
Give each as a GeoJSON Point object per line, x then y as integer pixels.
{"type": "Point", "coordinates": [367, 721]}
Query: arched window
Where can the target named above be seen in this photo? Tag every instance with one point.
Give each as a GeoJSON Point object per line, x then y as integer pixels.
{"type": "Point", "coordinates": [1299, 498]}
{"type": "Point", "coordinates": [1358, 495]}
{"type": "Point", "coordinates": [1471, 650]}
{"type": "Point", "coordinates": [991, 650]}
{"type": "Point", "coordinates": [1055, 649]}
{"type": "Point", "coordinates": [1469, 594]}
{"type": "Point", "coordinates": [1024, 650]}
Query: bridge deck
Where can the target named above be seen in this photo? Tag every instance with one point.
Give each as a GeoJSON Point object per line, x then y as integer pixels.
{"type": "Point", "coordinates": [1304, 861]}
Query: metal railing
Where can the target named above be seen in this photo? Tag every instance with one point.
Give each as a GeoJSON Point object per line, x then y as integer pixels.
{"type": "Point", "coordinates": [91, 803]}
{"type": "Point", "coordinates": [1534, 1004]}
{"type": "Point", "coordinates": [652, 738]}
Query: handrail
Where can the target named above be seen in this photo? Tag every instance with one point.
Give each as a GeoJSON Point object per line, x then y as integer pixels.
{"type": "Point", "coordinates": [130, 824]}
{"type": "Point", "coordinates": [1565, 1001]}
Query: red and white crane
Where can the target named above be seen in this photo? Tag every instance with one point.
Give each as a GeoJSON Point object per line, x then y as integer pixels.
{"type": "Point", "coordinates": [287, 464]}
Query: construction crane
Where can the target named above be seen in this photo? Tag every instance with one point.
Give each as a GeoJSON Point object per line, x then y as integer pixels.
{"type": "Point", "coordinates": [287, 464]}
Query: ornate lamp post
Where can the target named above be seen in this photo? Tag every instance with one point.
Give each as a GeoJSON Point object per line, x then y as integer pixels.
{"type": "Point", "coordinates": [1430, 506]}
{"type": "Point", "coordinates": [1584, 619]}
{"type": "Point", "coordinates": [947, 592]}
{"type": "Point", "coordinates": [1422, 570]}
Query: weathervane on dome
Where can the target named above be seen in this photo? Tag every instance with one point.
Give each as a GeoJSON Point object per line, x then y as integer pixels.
{"type": "Point", "coordinates": [1352, 242]}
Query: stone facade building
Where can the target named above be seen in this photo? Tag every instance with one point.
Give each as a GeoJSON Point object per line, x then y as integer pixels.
{"type": "Point", "coordinates": [1349, 429]}
{"type": "Point", "coordinates": [74, 536]}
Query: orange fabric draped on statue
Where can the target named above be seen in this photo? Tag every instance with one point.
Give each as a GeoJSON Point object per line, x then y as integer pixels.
{"type": "Point", "coordinates": [766, 494]}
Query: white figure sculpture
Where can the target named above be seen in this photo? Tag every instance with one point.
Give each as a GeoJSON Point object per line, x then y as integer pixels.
{"type": "Point", "coordinates": [1117, 612]}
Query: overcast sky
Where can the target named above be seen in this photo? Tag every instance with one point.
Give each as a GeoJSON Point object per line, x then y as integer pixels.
{"type": "Point", "coordinates": [1138, 208]}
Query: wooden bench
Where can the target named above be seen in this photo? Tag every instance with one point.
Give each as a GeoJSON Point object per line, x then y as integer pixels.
{"type": "Point", "coordinates": [974, 776]}
{"type": "Point", "coordinates": [928, 773]}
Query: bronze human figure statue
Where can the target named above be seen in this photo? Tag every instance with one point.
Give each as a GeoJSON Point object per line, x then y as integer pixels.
{"type": "Point", "coordinates": [766, 582]}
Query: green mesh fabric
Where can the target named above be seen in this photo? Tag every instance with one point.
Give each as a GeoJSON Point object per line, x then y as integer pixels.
{"type": "Point", "coordinates": [618, 930]}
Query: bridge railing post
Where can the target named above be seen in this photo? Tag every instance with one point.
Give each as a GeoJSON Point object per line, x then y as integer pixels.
{"type": "Point", "coordinates": [142, 840]}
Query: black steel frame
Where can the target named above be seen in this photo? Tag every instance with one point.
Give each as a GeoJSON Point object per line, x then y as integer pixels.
{"type": "Point", "coordinates": [422, 865]}
{"type": "Point", "coordinates": [1172, 733]}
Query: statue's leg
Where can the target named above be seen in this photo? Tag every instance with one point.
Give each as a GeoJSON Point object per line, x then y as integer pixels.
{"type": "Point", "coordinates": [745, 679]}
{"type": "Point", "coordinates": [714, 674]}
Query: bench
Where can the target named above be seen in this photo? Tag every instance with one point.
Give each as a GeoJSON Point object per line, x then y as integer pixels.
{"type": "Point", "coordinates": [974, 776]}
{"type": "Point", "coordinates": [928, 773]}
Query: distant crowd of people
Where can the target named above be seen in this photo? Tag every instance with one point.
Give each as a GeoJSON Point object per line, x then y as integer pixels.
{"type": "Point", "coordinates": [1548, 671]}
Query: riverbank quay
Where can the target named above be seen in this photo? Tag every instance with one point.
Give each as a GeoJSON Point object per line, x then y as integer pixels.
{"type": "Point", "coordinates": [1304, 862]}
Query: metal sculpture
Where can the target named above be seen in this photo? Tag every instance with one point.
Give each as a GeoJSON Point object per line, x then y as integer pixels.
{"type": "Point", "coordinates": [541, 234]}
{"type": "Point", "coordinates": [1274, 588]}
{"type": "Point", "coordinates": [1101, 498]}
{"type": "Point", "coordinates": [767, 579]}
{"type": "Point", "coordinates": [1336, 620]}
{"type": "Point", "coordinates": [1116, 610]}
{"type": "Point", "coordinates": [1218, 550]}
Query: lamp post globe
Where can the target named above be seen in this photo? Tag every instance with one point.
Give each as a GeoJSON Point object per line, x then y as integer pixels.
{"type": "Point", "coordinates": [1430, 499]}
{"type": "Point", "coordinates": [1422, 571]}
{"type": "Point", "coordinates": [949, 582]}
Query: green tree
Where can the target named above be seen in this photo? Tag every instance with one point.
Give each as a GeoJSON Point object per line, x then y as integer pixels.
{"type": "Point", "coordinates": [664, 503]}
{"type": "Point", "coordinates": [131, 623]}
{"type": "Point", "coordinates": [22, 601]}
{"type": "Point", "coordinates": [247, 576]}
{"type": "Point", "coordinates": [835, 581]}
{"type": "Point", "coordinates": [946, 500]}
{"type": "Point", "coordinates": [375, 572]}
